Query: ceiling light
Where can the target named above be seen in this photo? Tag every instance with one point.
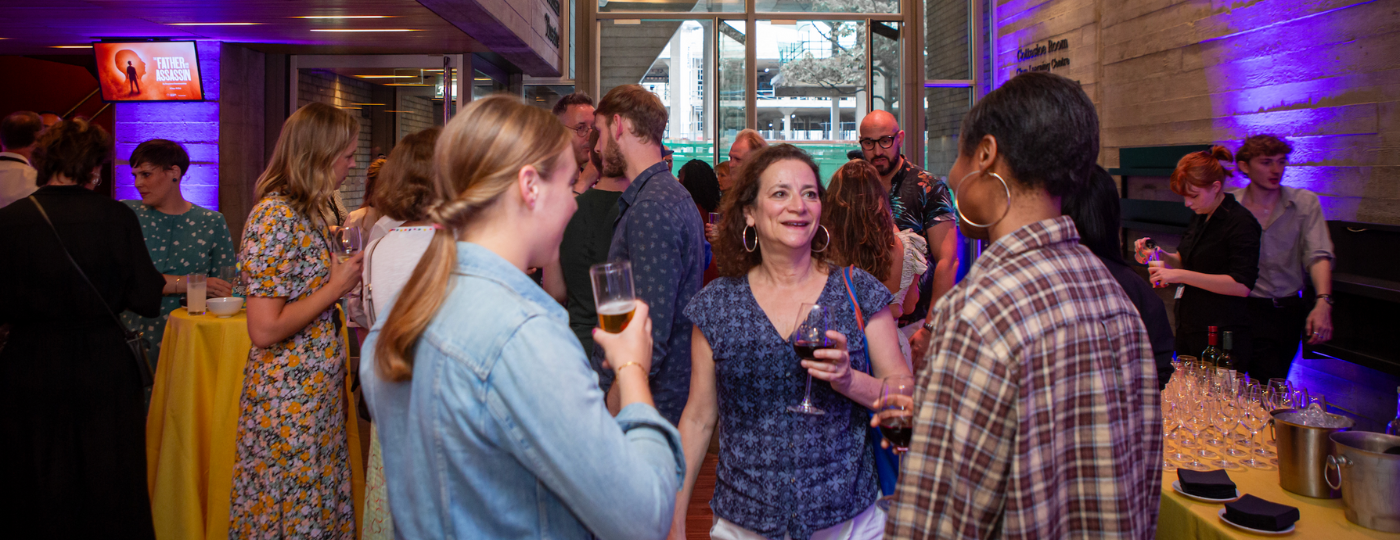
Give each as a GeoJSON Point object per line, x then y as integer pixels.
{"type": "Point", "coordinates": [364, 30]}
{"type": "Point", "coordinates": [357, 108]}
{"type": "Point", "coordinates": [407, 84]}
{"type": "Point", "coordinates": [369, 104]}
{"type": "Point", "coordinates": [71, 47]}
{"type": "Point", "coordinates": [342, 17]}
{"type": "Point", "coordinates": [393, 111]}
{"type": "Point", "coordinates": [215, 24]}
{"type": "Point", "coordinates": [387, 76]}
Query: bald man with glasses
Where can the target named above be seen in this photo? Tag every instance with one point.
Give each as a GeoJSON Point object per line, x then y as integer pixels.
{"type": "Point", "coordinates": [575, 111]}
{"type": "Point", "coordinates": [921, 202]}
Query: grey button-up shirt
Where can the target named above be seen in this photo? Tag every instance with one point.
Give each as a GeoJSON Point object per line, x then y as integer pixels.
{"type": "Point", "coordinates": [1293, 239]}
{"type": "Point", "coordinates": [659, 230]}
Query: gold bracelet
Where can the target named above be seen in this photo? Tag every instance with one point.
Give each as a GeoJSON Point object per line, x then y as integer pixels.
{"type": "Point", "coordinates": [619, 368]}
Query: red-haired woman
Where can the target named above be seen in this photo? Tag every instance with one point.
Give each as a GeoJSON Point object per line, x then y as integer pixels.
{"type": "Point", "coordinates": [1218, 260]}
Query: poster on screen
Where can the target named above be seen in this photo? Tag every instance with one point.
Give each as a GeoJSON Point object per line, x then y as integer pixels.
{"type": "Point", "coordinates": [149, 71]}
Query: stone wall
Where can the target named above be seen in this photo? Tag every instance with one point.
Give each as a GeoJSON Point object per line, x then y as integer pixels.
{"type": "Point", "coordinates": [331, 89]}
{"type": "Point", "coordinates": [1322, 73]}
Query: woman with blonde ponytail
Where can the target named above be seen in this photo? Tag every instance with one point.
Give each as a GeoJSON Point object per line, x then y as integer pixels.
{"type": "Point", "coordinates": [1217, 262]}
{"type": "Point", "coordinates": [490, 419]}
{"type": "Point", "coordinates": [291, 477]}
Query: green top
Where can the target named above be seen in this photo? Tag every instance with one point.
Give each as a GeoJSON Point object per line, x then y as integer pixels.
{"type": "Point", "coordinates": [195, 242]}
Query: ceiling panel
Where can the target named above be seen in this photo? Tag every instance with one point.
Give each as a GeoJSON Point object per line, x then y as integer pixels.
{"type": "Point", "coordinates": [32, 27]}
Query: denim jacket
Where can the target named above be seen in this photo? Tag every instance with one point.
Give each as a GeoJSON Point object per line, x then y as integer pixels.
{"type": "Point", "coordinates": [502, 431]}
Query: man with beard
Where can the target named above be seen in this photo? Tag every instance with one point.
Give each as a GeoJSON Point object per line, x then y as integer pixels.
{"type": "Point", "coordinates": [659, 231]}
{"type": "Point", "coordinates": [575, 111]}
{"type": "Point", "coordinates": [586, 241]}
{"type": "Point", "coordinates": [921, 202]}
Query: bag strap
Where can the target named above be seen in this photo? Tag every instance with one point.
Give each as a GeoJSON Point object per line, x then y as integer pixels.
{"type": "Point", "coordinates": [860, 319]}
{"type": "Point", "coordinates": [368, 283]}
{"type": "Point", "coordinates": [82, 274]}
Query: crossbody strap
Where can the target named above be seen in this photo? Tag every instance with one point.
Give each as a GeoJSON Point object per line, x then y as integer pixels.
{"type": "Point", "coordinates": [860, 319]}
{"type": "Point", "coordinates": [82, 274]}
{"type": "Point", "coordinates": [369, 283]}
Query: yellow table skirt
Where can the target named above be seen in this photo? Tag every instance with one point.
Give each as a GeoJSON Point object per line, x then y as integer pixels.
{"type": "Point", "coordinates": [192, 426]}
{"type": "Point", "coordinates": [1182, 518]}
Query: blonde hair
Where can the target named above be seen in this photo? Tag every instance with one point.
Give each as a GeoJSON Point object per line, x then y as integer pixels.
{"type": "Point", "coordinates": [478, 157]}
{"type": "Point", "coordinates": [303, 161]}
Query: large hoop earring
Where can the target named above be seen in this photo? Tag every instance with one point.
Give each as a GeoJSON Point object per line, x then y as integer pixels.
{"type": "Point", "coordinates": [963, 216]}
{"type": "Point", "coordinates": [828, 240]}
{"type": "Point", "coordinates": [744, 237]}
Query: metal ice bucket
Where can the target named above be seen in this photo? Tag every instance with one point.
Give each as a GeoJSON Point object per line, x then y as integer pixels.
{"type": "Point", "coordinates": [1302, 452]}
{"type": "Point", "coordinates": [1368, 473]}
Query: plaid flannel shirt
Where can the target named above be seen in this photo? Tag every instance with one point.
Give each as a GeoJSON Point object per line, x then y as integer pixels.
{"type": "Point", "coordinates": [1038, 414]}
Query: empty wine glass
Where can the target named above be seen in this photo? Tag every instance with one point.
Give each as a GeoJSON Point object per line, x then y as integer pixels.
{"type": "Point", "coordinates": [1254, 419]}
{"type": "Point", "coordinates": [1224, 422]}
{"type": "Point", "coordinates": [809, 335]}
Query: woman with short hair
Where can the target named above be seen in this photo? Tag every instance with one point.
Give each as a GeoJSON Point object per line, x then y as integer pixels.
{"type": "Point", "coordinates": [183, 238]}
{"type": "Point", "coordinates": [491, 421]}
{"type": "Point", "coordinates": [74, 455]}
{"type": "Point", "coordinates": [745, 373]}
{"type": "Point", "coordinates": [292, 462]}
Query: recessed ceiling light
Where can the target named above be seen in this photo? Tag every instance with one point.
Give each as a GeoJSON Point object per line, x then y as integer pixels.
{"type": "Point", "coordinates": [357, 108]}
{"type": "Point", "coordinates": [387, 76]}
{"type": "Point", "coordinates": [215, 24]}
{"type": "Point", "coordinates": [71, 47]}
{"type": "Point", "coordinates": [407, 84]}
{"type": "Point", "coordinates": [368, 104]}
{"type": "Point", "coordinates": [342, 17]}
{"type": "Point", "coordinates": [364, 30]}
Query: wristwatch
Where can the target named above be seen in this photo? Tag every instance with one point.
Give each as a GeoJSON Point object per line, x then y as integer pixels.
{"type": "Point", "coordinates": [928, 325]}
{"type": "Point", "coordinates": [1326, 297]}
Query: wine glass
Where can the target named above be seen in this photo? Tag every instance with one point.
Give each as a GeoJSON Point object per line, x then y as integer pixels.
{"type": "Point", "coordinates": [1233, 411]}
{"type": "Point", "coordinates": [810, 334]}
{"type": "Point", "coordinates": [897, 411]}
{"type": "Point", "coordinates": [351, 242]}
{"type": "Point", "coordinates": [1224, 422]}
{"type": "Point", "coordinates": [1254, 419]}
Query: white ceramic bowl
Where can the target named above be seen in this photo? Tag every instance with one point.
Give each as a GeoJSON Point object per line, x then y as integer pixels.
{"type": "Point", "coordinates": [224, 308]}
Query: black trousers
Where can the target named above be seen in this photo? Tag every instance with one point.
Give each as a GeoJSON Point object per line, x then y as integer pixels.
{"type": "Point", "coordinates": [1278, 330]}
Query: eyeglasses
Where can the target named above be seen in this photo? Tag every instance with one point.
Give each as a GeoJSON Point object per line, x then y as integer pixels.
{"type": "Point", "coordinates": [885, 142]}
{"type": "Point", "coordinates": [582, 131]}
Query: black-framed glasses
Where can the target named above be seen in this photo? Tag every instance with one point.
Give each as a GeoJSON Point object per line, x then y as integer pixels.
{"type": "Point", "coordinates": [582, 131]}
{"type": "Point", "coordinates": [884, 142]}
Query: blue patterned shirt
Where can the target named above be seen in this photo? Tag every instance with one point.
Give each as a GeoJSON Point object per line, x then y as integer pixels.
{"type": "Point", "coordinates": [781, 472]}
{"type": "Point", "coordinates": [920, 201]}
{"type": "Point", "coordinates": [659, 230]}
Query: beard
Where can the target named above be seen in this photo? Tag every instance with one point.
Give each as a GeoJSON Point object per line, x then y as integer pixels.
{"type": "Point", "coordinates": [614, 165]}
{"type": "Point", "coordinates": [883, 167]}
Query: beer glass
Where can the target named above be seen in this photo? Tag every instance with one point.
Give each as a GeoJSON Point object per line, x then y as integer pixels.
{"type": "Point", "coordinates": [194, 294]}
{"type": "Point", "coordinates": [809, 335]}
{"type": "Point", "coordinates": [897, 411]}
{"type": "Point", "coordinates": [614, 294]}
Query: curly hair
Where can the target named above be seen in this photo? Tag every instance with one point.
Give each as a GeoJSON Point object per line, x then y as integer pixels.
{"type": "Point", "coordinates": [71, 148]}
{"type": "Point", "coordinates": [731, 258]}
{"type": "Point", "coordinates": [405, 187]}
{"type": "Point", "coordinates": [1200, 169]}
{"type": "Point", "coordinates": [1262, 145]}
{"type": "Point", "coordinates": [856, 211]}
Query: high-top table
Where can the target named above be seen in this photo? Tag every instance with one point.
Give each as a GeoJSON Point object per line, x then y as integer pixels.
{"type": "Point", "coordinates": [192, 426]}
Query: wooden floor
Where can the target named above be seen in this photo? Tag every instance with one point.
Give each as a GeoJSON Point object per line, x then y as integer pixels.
{"type": "Point", "coordinates": [698, 517]}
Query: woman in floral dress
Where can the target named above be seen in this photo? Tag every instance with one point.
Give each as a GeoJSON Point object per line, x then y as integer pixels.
{"type": "Point", "coordinates": [291, 477]}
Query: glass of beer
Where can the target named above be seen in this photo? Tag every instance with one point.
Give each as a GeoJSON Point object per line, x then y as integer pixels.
{"type": "Point", "coordinates": [897, 411]}
{"type": "Point", "coordinates": [810, 334]}
{"type": "Point", "coordinates": [614, 295]}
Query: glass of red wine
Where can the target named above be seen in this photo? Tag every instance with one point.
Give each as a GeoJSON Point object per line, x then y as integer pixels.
{"type": "Point", "coordinates": [810, 334]}
{"type": "Point", "coordinates": [897, 411]}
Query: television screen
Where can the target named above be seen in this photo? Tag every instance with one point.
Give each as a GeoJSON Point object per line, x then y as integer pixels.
{"type": "Point", "coordinates": [148, 71]}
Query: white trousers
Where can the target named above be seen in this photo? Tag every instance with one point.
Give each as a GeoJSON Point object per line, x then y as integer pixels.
{"type": "Point", "coordinates": [868, 525]}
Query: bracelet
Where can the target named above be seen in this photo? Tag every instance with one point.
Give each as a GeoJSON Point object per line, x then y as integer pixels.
{"type": "Point", "coordinates": [619, 368]}
{"type": "Point", "coordinates": [1326, 297]}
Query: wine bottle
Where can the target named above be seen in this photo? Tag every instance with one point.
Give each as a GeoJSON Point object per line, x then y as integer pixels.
{"type": "Point", "coordinates": [1393, 428]}
{"type": "Point", "coordinates": [1211, 356]}
{"type": "Point", "coordinates": [1226, 369]}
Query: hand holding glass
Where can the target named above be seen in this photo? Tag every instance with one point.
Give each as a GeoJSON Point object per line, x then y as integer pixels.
{"type": "Point", "coordinates": [614, 294]}
{"type": "Point", "coordinates": [897, 411]}
{"type": "Point", "coordinates": [351, 241]}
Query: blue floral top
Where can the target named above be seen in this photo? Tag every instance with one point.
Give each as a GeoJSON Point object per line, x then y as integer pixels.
{"type": "Point", "coordinates": [781, 472]}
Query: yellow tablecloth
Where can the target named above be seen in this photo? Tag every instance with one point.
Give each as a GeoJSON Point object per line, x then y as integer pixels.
{"type": "Point", "coordinates": [193, 423]}
{"type": "Point", "coordinates": [1182, 518]}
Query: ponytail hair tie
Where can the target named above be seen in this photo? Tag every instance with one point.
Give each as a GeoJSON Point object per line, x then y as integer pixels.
{"type": "Point", "coordinates": [439, 226]}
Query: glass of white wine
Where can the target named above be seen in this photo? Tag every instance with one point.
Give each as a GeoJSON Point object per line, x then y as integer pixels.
{"type": "Point", "coordinates": [613, 294]}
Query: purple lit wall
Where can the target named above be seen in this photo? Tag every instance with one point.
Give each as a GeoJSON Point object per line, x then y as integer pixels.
{"type": "Point", "coordinates": [192, 124]}
{"type": "Point", "coordinates": [1325, 74]}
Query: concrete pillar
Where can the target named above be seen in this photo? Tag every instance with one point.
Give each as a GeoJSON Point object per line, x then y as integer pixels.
{"type": "Point", "coordinates": [677, 87]}
{"type": "Point", "coordinates": [835, 133]}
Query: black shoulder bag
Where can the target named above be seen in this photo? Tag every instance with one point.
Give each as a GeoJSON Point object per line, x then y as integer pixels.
{"type": "Point", "coordinates": [138, 345]}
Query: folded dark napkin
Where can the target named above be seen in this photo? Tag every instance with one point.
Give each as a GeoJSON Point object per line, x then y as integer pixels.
{"type": "Point", "coordinates": [1214, 484]}
{"type": "Point", "coordinates": [1256, 513]}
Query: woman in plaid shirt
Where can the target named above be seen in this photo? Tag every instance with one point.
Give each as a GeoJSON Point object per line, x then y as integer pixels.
{"type": "Point", "coordinates": [1038, 410]}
